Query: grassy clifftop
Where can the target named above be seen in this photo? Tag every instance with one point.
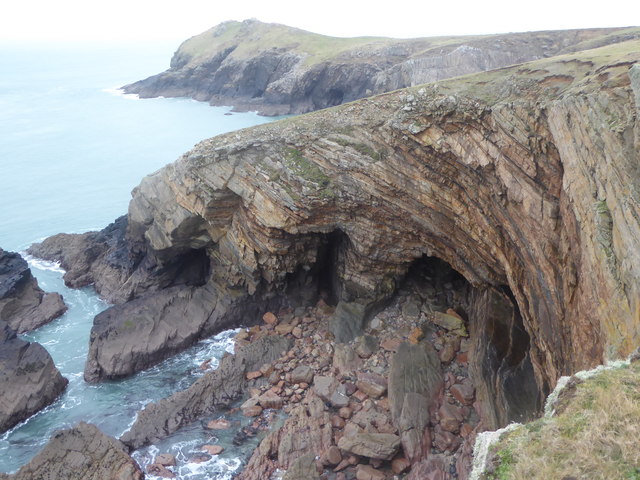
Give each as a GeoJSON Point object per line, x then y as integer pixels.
{"type": "Point", "coordinates": [593, 434]}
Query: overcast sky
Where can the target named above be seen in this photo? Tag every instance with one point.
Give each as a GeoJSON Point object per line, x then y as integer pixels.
{"type": "Point", "coordinates": [127, 20]}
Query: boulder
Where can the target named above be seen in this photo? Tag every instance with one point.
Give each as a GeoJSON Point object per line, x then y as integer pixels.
{"type": "Point", "coordinates": [367, 472]}
{"type": "Point", "coordinates": [302, 374]}
{"type": "Point", "coordinates": [330, 390]}
{"type": "Point", "coordinates": [415, 380]}
{"type": "Point", "coordinates": [382, 446]}
{"type": "Point", "coordinates": [23, 304]}
{"type": "Point", "coordinates": [29, 380]}
{"type": "Point", "coordinates": [347, 321]}
{"type": "Point", "coordinates": [303, 467]}
{"type": "Point", "coordinates": [81, 453]}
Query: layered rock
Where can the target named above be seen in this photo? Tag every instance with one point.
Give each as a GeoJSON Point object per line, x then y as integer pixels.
{"type": "Point", "coordinates": [29, 380]}
{"type": "Point", "coordinates": [80, 453]}
{"type": "Point", "coordinates": [499, 174]}
{"type": "Point", "coordinates": [281, 70]}
{"type": "Point", "coordinates": [23, 304]}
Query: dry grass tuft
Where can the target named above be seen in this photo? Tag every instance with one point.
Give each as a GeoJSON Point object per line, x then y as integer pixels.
{"type": "Point", "coordinates": [597, 436]}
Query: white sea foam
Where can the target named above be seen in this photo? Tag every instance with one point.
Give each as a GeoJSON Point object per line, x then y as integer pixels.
{"type": "Point", "coordinates": [42, 264]}
{"type": "Point", "coordinates": [118, 92]}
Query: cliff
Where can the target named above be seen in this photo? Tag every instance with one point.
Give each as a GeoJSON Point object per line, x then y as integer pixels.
{"type": "Point", "coordinates": [523, 180]}
{"type": "Point", "coordinates": [277, 70]}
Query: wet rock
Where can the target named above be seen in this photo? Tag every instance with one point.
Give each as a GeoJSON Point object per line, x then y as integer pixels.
{"type": "Point", "coordinates": [214, 390]}
{"type": "Point", "coordinates": [81, 453]}
{"type": "Point", "coordinates": [29, 380]}
{"type": "Point", "coordinates": [165, 459]}
{"type": "Point", "coordinates": [159, 470]}
{"type": "Point", "coordinates": [415, 379]}
{"type": "Point", "coordinates": [347, 321]}
{"type": "Point", "coordinates": [372, 445]}
{"type": "Point", "coordinates": [23, 304]}
{"type": "Point", "coordinates": [219, 424]}
{"type": "Point", "coordinates": [213, 449]}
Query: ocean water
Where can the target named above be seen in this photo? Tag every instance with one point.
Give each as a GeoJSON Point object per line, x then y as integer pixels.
{"type": "Point", "coordinates": [72, 147]}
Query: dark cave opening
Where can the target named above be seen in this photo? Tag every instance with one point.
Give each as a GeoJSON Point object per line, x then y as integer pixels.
{"type": "Point", "coordinates": [499, 356]}
{"type": "Point", "coordinates": [322, 279]}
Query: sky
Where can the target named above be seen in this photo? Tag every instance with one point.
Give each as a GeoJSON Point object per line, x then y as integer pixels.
{"type": "Point", "coordinates": [176, 20]}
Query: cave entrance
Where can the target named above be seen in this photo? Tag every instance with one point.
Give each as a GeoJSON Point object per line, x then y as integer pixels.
{"type": "Point", "coordinates": [499, 345]}
{"type": "Point", "coordinates": [322, 279]}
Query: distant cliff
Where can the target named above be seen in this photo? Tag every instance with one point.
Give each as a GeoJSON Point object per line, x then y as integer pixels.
{"type": "Point", "coordinates": [276, 69]}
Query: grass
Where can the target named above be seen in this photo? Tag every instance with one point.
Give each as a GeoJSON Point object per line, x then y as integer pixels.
{"type": "Point", "coordinates": [595, 437]}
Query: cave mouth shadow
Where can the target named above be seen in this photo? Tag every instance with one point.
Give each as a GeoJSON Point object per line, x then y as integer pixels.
{"type": "Point", "coordinates": [499, 360]}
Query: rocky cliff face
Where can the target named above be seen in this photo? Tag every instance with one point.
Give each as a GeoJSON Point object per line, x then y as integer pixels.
{"type": "Point", "coordinates": [23, 304]}
{"type": "Point", "coordinates": [524, 180]}
{"type": "Point", "coordinates": [29, 380]}
{"type": "Point", "coordinates": [278, 70]}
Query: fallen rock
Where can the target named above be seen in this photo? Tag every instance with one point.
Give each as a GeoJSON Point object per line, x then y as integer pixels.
{"type": "Point", "coordinates": [23, 304]}
{"type": "Point", "coordinates": [302, 374]}
{"type": "Point", "coordinates": [366, 345]}
{"type": "Point", "coordinates": [367, 472]}
{"type": "Point", "coordinates": [452, 323]}
{"type": "Point", "coordinates": [400, 465]}
{"type": "Point", "coordinates": [347, 321]}
{"type": "Point", "coordinates": [81, 453]}
{"type": "Point", "coordinates": [330, 390]}
{"type": "Point", "coordinates": [219, 424]}
{"type": "Point", "coordinates": [303, 467]}
{"type": "Point", "coordinates": [372, 384]}
{"type": "Point", "coordinates": [463, 392]}
{"type": "Point", "coordinates": [372, 445]}
{"type": "Point", "coordinates": [415, 380]}
{"type": "Point", "coordinates": [270, 399]}
{"type": "Point", "coordinates": [213, 449]}
{"type": "Point", "coordinates": [159, 470]}
{"type": "Point", "coordinates": [269, 318]}
{"type": "Point", "coordinates": [165, 459]}
{"type": "Point", "coordinates": [29, 380]}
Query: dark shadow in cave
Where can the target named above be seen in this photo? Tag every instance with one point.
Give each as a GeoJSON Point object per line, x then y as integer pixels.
{"type": "Point", "coordinates": [499, 360]}
{"type": "Point", "coordinates": [322, 279]}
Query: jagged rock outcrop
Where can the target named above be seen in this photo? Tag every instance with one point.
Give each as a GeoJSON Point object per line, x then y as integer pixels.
{"type": "Point", "coordinates": [215, 390]}
{"type": "Point", "coordinates": [278, 70]}
{"type": "Point", "coordinates": [80, 453]}
{"type": "Point", "coordinates": [523, 179]}
{"type": "Point", "coordinates": [23, 304]}
{"type": "Point", "coordinates": [29, 380]}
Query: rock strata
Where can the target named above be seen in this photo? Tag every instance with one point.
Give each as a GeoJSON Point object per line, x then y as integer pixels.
{"type": "Point", "coordinates": [23, 304]}
{"type": "Point", "coordinates": [80, 453]}
{"type": "Point", "coordinates": [29, 380]}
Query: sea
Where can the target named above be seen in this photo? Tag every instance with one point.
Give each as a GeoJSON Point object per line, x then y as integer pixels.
{"type": "Point", "coordinates": [72, 147]}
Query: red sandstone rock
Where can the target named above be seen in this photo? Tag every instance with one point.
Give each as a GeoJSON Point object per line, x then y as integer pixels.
{"type": "Point", "coordinates": [463, 392]}
{"type": "Point", "coordinates": [160, 471]}
{"type": "Point", "coordinates": [269, 318]}
{"type": "Point", "coordinates": [367, 472]}
{"type": "Point", "coordinates": [253, 375]}
{"type": "Point", "coordinates": [213, 449]}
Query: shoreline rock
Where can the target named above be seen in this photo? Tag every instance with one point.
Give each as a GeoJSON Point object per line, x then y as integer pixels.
{"type": "Point", "coordinates": [29, 380]}
{"type": "Point", "coordinates": [80, 453]}
{"type": "Point", "coordinates": [23, 304]}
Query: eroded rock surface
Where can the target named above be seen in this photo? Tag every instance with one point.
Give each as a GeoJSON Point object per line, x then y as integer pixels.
{"type": "Point", "coordinates": [280, 70]}
{"type": "Point", "coordinates": [80, 453]}
{"type": "Point", "coordinates": [524, 180]}
{"type": "Point", "coordinates": [29, 380]}
{"type": "Point", "coordinates": [23, 304]}
{"type": "Point", "coordinates": [213, 391]}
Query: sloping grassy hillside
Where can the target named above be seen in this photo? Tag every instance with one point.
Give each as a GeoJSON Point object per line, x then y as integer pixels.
{"type": "Point", "coordinates": [593, 435]}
